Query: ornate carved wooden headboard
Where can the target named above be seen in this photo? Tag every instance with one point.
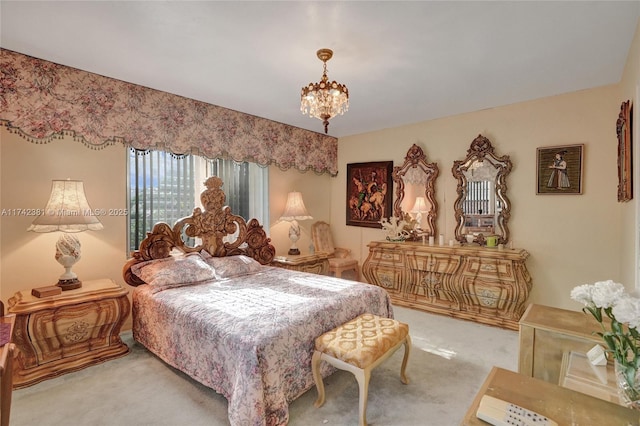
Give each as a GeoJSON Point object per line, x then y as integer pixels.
{"type": "Point", "coordinates": [212, 226]}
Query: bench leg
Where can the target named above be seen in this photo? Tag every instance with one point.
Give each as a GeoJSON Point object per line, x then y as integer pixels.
{"type": "Point", "coordinates": [407, 349]}
{"type": "Point", "coordinates": [317, 377]}
{"type": "Point", "coordinates": [363, 376]}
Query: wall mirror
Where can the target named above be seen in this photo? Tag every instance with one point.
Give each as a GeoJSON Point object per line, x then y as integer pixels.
{"type": "Point", "coordinates": [482, 208]}
{"type": "Point", "coordinates": [414, 183]}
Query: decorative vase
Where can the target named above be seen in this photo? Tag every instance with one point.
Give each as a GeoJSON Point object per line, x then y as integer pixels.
{"type": "Point", "coordinates": [629, 393]}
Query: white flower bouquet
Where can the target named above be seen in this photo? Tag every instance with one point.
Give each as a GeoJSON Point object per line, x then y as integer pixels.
{"type": "Point", "coordinates": [622, 337]}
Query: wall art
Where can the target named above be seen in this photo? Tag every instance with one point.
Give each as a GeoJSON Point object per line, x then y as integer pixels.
{"type": "Point", "coordinates": [369, 191]}
{"type": "Point", "coordinates": [559, 169]}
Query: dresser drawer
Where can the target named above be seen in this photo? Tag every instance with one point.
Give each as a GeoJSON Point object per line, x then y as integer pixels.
{"type": "Point", "coordinates": [389, 278]}
{"type": "Point", "coordinates": [72, 324]}
{"type": "Point", "coordinates": [485, 295]}
{"type": "Point", "coordinates": [388, 257]}
{"type": "Point", "coordinates": [490, 268]}
{"type": "Point", "coordinates": [441, 264]}
{"type": "Point", "coordinates": [71, 330]}
{"type": "Point", "coordinates": [488, 293]}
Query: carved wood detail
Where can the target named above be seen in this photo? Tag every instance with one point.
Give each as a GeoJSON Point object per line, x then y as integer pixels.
{"type": "Point", "coordinates": [59, 334]}
{"type": "Point", "coordinates": [485, 285]}
{"type": "Point", "coordinates": [416, 161]}
{"type": "Point", "coordinates": [222, 232]}
{"type": "Point", "coordinates": [481, 151]}
{"type": "Point", "coordinates": [623, 131]}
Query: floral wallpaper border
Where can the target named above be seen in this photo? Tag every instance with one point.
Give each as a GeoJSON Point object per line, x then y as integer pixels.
{"type": "Point", "coordinates": [42, 101]}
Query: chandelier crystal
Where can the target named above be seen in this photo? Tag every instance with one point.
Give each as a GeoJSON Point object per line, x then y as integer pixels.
{"type": "Point", "coordinates": [324, 100]}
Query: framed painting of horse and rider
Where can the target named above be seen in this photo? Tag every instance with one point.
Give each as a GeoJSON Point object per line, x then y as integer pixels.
{"type": "Point", "coordinates": [369, 193]}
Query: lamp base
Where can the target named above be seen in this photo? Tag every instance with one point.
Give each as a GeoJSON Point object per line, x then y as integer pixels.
{"type": "Point", "coordinates": [70, 284]}
{"type": "Point", "coordinates": [293, 251]}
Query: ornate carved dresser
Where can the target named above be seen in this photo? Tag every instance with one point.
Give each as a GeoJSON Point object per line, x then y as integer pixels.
{"type": "Point", "coordinates": [486, 285]}
{"type": "Point", "coordinates": [66, 332]}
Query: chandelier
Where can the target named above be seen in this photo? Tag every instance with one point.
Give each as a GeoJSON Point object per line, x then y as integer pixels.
{"type": "Point", "coordinates": [324, 100]}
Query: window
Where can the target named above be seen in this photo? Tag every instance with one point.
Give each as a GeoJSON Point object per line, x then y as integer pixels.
{"type": "Point", "coordinates": [480, 198]}
{"type": "Point", "coordinates": [164, 188]}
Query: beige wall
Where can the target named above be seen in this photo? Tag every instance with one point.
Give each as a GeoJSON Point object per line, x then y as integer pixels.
{"type": "Point", "coordinates": [317, 200]}
{"type": "Point", "coordinates": [572, 239]}
{"type": "Point", "coordinates": [27, 170]}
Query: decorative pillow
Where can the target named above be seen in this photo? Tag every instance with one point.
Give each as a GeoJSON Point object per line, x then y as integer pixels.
{"type": "Point", "coordinates": [174, 271]}
{"type": "Point", "coordinates": [233, 266]}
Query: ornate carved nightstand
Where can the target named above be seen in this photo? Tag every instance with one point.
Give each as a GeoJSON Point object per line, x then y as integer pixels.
{"type": "Point", "coordinates": [316, 263]}
{"type": "Point", "coordinates": [67, 332]}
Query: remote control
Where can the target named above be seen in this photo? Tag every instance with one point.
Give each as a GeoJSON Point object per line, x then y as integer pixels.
{"type": "Point", "coordinates": [501, 413]}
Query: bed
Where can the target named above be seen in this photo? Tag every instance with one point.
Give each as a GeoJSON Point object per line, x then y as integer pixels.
{"type": "Point", "coordinates": [219, 313]}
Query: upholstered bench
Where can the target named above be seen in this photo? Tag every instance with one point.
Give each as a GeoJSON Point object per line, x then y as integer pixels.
{"type": "Point", "coordinates": [359, 346]}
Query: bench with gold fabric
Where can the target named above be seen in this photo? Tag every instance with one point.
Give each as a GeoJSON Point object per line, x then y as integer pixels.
{"type": "Point", "coordinates": [359, 346]}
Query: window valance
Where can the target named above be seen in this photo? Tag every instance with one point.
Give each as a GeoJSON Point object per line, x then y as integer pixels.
{"type": "Point", "coordinates": [41, 101]}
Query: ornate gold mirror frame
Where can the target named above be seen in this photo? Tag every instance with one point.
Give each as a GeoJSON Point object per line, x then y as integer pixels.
{"type": "Point", "coordinates": [482, 208]}
{"type": "Point", "coordinates": [416, 178]}
{"type": "Point", "coordinates": [623, 129]}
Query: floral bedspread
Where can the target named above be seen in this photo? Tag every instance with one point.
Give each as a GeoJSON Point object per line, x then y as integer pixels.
{"type": "Point", "coordinates": [251, 337]}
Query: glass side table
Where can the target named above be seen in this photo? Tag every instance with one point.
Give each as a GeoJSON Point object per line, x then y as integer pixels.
{"type": "Point", "coordinates": [578, 374]}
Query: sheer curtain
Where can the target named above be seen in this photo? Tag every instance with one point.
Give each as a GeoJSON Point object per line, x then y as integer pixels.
{"type": "Point", "coordinates": [164, 188]}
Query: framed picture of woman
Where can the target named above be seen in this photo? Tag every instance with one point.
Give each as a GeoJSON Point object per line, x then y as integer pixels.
{"type": "Point", "coordinates": [369, 190]}
{"type": "Point", "coordinates": [559, 169]}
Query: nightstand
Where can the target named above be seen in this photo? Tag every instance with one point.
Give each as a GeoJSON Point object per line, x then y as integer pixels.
{"type": "Point", "coordinates": [67, 332]}
{"type": "Point", "coordinates": [317, 263]}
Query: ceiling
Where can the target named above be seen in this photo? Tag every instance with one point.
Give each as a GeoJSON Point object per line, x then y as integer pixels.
{"type": "Point", "coordinates": [403, 62]}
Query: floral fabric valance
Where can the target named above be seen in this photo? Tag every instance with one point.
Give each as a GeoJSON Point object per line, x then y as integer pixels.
{"type": "Point", "coordinates": [41, 101]}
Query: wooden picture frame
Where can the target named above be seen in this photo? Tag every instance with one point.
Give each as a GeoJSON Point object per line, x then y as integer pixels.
{"type": "Point", "coordinates": [625, 172]}
{"type": "Point", "coordinates": [559, 169]}
{"type": "Point", "coordinates": [369, 191]}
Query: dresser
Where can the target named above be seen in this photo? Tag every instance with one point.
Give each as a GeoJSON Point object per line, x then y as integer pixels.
{"type": "Point", "coordinates": [482, 284]}
{"type": "Point", "coordinates": [316, 263]}
{"type": "Point", "coordinates": [69, 331]}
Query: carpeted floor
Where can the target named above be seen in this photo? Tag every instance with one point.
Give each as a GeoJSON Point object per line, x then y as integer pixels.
{"type": "Point", "coordinates": [449, 361]}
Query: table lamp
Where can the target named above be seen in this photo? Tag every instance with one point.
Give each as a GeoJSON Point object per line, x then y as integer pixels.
{"type": "Point", "coordinates": [418, 208]}
{"type": "Point", "coordinates": [293, 212]}
{"type": "Point", "coordinates": [68, 211]}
